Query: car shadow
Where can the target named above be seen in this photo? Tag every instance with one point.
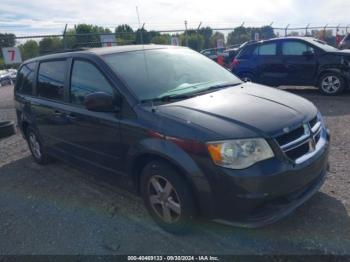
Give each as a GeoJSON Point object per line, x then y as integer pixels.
{"type": "Point", "coordinates": [320, 226]}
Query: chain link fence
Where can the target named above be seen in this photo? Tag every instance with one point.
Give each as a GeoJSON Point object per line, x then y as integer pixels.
{"type": "Point", "coordinates": [198, 39]}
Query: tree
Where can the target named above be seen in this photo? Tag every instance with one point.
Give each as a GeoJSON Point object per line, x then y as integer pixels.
{"type": "Point", "coordinates": [50, 45]}
{"type": "Point", "coordinates": [206, 32]}
{"type": "Point", "coordinates": [266, 32]}
{"type": "Point", "coordinates": [29, 49]}
{"type": "Point", "coordinates": [7, 40]}
{"type": "Point", "coordinates": [161, 39]}
{"type": "Point", "coordinates": [239, 35]}
{"type": "Point", "coordinates": [125, 34]}
{"type": "Point", "coordinates": [89, 35]}
{"type": "Point", "coordinates": [215, 37]}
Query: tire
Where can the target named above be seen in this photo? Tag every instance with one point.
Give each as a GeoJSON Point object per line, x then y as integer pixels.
{"type": "Point", "coordinates": [36, 147]}
{"type": "Point", "coordinates": [247, 77]}
{"type": "Point", "coordinates": [7, 129]}
{"type": "Point", "coordinates": [331, 84]}
{"type": "Point", "coordinates": [167, 197]}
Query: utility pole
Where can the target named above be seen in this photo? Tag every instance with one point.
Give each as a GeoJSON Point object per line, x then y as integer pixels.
{"type": "Point", "coordinates": [186, 33]}
{"type": "Point", "coordinates": [140, 28]}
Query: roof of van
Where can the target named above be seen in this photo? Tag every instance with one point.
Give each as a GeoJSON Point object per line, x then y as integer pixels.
{"type": "Point", "coordinates": [103, 51]}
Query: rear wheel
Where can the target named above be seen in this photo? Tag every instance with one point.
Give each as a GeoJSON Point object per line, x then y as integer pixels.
{"type": "Point", "coordinates": [36, 147]}
{"type": "Point", "coordinates": [167, 197]}
{"type": "Point", "coordinates": [331, 84]}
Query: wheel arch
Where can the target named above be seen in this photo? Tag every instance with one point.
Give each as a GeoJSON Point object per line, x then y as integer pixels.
{"type": "Point", "coordinates": [324, 71]}
{"type": "Point", "coordinates": [157, 149]}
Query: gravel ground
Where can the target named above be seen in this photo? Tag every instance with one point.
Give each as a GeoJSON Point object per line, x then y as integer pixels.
{"type": "Point", "coordinates": [57, 209]}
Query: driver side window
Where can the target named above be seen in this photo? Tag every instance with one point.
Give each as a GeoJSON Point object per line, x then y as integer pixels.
{"type": "Point", "coordinates": [86, 79]}
{"type": "Point", "coordinates": [296, 48]}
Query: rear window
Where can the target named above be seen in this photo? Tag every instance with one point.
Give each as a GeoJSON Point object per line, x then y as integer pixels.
{"type": "Point", "coordinates": [25, 79]}
{"type": "Point", "coordinates": [51, 78]}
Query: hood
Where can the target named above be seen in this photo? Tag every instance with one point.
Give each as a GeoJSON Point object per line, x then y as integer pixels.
{"type": "Point", "coordinates": [342, 52]}
{"type": "Point", "coordinates": [248, 110]}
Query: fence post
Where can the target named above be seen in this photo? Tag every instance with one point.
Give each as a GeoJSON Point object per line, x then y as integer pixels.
{"type": "Point", "coordinates": [199, 26]}
{"type": "Point", "coordinates": [306, 29]}
{"type": "Point", "coordinates": [285, 30]}
{"type": "Point", "coordinates": [186, 38]}
{"type": "Point", "coordinates": [324, 31]}
{"type": "Point", "coordinates": [64, 37]}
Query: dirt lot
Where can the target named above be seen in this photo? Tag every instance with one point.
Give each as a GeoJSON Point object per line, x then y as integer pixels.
{"type": "Point", "coordinates": [59, 210]}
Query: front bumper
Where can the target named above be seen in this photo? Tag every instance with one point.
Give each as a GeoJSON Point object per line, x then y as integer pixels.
{"type": "Point", "coordinates": [279, 208]}
{"type": "Point", "coordinates": [266, 192]}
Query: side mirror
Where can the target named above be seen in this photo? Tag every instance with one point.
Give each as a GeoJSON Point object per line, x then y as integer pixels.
{"type": "Point", "coordinates": [102, 102]}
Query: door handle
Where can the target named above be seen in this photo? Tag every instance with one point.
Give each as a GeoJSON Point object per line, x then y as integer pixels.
{"type": "Point", "coordinates": [57, 113]}
{"type": "Point", "coordinates": [71, 116]}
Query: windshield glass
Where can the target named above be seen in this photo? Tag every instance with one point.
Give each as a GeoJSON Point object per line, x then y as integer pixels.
{"type": "Point", "coordinates": [152, 74]}
{"type": "Point", "coordinates": [324, 46]}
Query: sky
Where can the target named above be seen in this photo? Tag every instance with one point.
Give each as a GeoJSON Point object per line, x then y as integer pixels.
{"type": "Point", "coordinates": [33, 17]}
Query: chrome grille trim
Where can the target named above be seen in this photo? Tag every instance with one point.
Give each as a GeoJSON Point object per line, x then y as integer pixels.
{"type": "Point", "coordinates": [314, 136]}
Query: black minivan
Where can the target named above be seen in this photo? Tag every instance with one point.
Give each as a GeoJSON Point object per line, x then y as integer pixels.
{"type": "Point", "coordinates": [190, 137]}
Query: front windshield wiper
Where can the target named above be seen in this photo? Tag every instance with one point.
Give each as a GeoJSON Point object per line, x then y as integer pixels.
{"type": "Point", "coordinates": [216, 87]}
{"type": "Point", "coordinates": [166, 98]}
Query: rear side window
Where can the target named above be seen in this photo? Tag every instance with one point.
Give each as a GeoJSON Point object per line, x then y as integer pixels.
{"type": "Point", "coordinates": [51, 79]}
{"type": "Point", "coordinates": [25, 79]}
{"type": "Point", "coordinates": [246, 52]}
{"type": "Point", "coordinates": [295, 48]}
{"type": "Point", "coordinates": [266, 49]}
{"type": "Point", "coordinates": [86, 79]}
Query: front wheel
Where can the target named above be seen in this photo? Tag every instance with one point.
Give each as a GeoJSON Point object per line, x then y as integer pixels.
{"type": "Point", "coordinates": [331, 84]}
{"type": "Point", "coordinates": [167, 197]}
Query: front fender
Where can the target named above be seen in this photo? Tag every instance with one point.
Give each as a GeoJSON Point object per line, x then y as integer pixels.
{"type": "Point", "coordinates": [169, 151]}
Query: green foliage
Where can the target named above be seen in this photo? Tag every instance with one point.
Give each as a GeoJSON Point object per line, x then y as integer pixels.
{"type": "Point", "coordinates": [50, 45]}
{"type": "Point", "coordinates": [161, 39]}
{"type": "Point", "coordinates": [88, 35]}
{"type": "Point", "coordinates": [124, 34]}
{"type": "Point", "coordinates": [215, 37]}
{"type": "Point", "coordinates": [29, 49]}
{"type": "Point", "coordinates": [243, 34]}
{"type": "Point", "coordinates": [207, 33]}
{"type": "Point", "coordinates": [195, 42]}
{"type": "Point", "coordinates": [7, 40]}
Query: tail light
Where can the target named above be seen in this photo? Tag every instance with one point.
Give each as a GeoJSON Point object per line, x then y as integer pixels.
{"type": "Point", "coordinates": [234, 63]}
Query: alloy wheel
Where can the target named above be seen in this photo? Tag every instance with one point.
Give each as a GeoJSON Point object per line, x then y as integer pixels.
{"type": "Point", "coordinates": [164, 199]}
{"type": "Point", "coordinates": [34, 145]}
{"type": "Point", "coordinates": [331, 84]}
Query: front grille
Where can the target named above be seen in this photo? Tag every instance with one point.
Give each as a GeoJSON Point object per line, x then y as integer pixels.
{"type": "Point", "coordinates": [299, 151]}
{"type": "Point", "coordinates": [291, 136]}
{"type": "Point", "coordinates": [301, 140]}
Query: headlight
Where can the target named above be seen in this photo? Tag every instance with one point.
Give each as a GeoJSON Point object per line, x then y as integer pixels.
{"type": "Point", "coordinates": [239, 154]}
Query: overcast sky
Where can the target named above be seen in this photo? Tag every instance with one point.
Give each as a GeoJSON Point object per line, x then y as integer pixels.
{"type": "Point", "coordinates": [26, 17]}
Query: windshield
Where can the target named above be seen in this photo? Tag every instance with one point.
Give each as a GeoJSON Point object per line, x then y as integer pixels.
{"type": "Point", "coordinates": [151, 74]}
{"type": "Point", "coordinates": [323, 45]}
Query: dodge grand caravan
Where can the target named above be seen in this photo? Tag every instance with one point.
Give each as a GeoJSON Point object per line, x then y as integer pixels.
{"type": "Point", "coordinates": [187, 135]}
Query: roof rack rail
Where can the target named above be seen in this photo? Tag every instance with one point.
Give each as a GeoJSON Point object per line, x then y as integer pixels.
{"type": "Point", "coordinates": [67, 50]}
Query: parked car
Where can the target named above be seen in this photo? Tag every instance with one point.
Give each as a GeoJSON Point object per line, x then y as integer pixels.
{"type": "Point", "coordinates": [190, 137]}
{"type": "Point", "coordinates": [8, 76]}
{"type": "Point", "coordinates": [345, 43]}
{"type": "Point", "coordinates": [228, 53]}
{"type": "Point", "coordinates": [295, 61]}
